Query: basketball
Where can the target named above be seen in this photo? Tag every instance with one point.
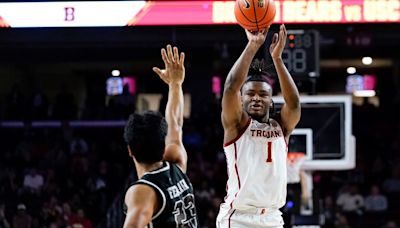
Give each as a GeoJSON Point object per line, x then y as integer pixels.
{"type": "Point", "coordinates": [255, 15]}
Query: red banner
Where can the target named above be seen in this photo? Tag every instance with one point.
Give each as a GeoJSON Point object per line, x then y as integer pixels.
{"type": "Point", "coordinates": [288, 11]}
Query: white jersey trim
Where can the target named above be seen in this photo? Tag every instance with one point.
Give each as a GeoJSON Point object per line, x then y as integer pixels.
{"type": "Point", "coordinates": [241, 132]}
{"type": "Point", "coordinates": [158, 170]}
{"type": "Point", "coordinates": [237, 175]}
{"type": "Point", "coordinates": [162, 194]}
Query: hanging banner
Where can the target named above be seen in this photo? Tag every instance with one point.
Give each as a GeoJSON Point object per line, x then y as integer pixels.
{"type": "Point", "coordinates": [149, 13]}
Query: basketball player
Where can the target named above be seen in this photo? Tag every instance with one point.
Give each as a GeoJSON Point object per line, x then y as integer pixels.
{"type": "Point", "coordinates": [163, 195]}
{"type": "Point", "coordinates": [254, 142]}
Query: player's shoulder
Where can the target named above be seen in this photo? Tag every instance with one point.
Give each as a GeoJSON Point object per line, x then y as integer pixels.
{"type": "Point", "coordinates": [136, 193]}
{"type": "Point", "coordinates": [276, 120]}
{"type": "Point", "coordinates": [138, 189]}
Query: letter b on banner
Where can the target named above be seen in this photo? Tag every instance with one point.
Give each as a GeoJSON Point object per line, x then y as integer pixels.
{"type": "Point", "coordinates": [69, 14]}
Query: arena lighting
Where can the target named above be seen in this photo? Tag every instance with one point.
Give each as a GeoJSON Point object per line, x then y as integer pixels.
{"type": "Point", "coordinates": [115, 73]}
{"type": "Point", "coordinates": [364, 93]}
{"type": "Point", "coordinates": [351, 70]}
{"type": "Point", "coordinates": [190, 12]}
{"type": "Point", "coordinates": [366, 60]}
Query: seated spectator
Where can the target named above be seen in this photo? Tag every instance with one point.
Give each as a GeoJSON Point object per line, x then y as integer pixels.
{"type": "Point", "coordinates": [3, 220]}
{"type": "Point", "coordinates": [67, 214]}
{"type": "Point", "coordinates": [329, 211]}
{"type": "Point", "coordinates": [390, 224]}
{"type": "Point", "coordinates": [22, 219]}
{"type": "Point", "coordinates": [376, 202]}
{"type": "Point", "coordinates": [80, 221]}
{"type": "Point", "coordinates": [392, 184]}
{"type": "Point", "coordinates": [351, 204]}
{"type": "Point", "coordinates": [391, 187]}
{"type": "Point", "coordinates": [341, 221]}
{"type": "Point", "coordinates": [350, 200]}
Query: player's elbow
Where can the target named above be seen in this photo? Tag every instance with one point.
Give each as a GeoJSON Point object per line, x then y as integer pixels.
{"type": "Point", "coordinates": [175, 152]}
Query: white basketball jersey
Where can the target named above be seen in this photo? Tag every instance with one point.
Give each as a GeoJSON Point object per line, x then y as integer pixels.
{"type": "Point", "coordinates": [256, 162]}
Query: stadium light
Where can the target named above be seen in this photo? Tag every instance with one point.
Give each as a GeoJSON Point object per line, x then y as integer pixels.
{"type": "Point", "coordinates": [366, 60]}
{"type": "Point", "coordinates": [364, 93]}
{"type": "Point", "coordinates": [115, 73]}
{"type": "Point", "coordinates": [351, 70]}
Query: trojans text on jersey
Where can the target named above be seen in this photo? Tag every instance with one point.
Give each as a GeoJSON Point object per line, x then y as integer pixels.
{"type": "Point", "coordinates": [266, 134]}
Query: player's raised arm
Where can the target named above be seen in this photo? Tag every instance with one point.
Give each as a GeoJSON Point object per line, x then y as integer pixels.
{"type": "Point", "coordinates": [174, 75]}
{"type": "Point", "coordinates": [233, 116]}
{"type": "Point", "coordinates": [290, 112]}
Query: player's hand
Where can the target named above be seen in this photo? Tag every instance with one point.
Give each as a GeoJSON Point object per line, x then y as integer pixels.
{"type": "Point", "coordinates": [174, 72]}
{"type": "Point", "coordinates": [257, 38]}
{"type": "Point", "coordinates": [278, 43]}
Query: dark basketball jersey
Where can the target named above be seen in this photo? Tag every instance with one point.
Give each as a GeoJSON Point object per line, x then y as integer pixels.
{"type": "Point", "coordinates": [176, 197]}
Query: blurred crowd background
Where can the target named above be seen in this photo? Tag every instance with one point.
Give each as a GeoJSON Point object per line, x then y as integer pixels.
{"type": "Point", "coordinates": [64, 176]}
{"type": "Point", "coordinates": [56, 173]}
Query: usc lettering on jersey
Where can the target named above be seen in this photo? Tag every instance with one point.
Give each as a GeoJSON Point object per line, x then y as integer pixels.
{"type": "Point", "coordinates": [256, 161]}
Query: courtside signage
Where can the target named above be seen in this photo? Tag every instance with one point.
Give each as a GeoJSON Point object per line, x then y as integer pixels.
{"type": "Point", "coordinates": [136, 13]}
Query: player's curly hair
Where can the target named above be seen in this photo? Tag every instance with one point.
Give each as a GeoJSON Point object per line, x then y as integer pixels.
{"type": "Point", "coordinates": [259, 72]}
{"type": "Point", "coordinates": [145, 135]}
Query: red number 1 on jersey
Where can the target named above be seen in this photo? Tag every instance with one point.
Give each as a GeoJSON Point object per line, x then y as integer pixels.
{"type": "Point", "coordinates": [269, 149]}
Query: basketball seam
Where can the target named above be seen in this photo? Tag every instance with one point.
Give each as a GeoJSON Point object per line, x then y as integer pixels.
{"type": "Point", "coordinates": [251, 25]}
{"type": "Point", "coordinates": [265, 23]}
{"type": "Point", "coordinates": [255, 15]}
{"type": "Point", "coordinates": [266, 12]}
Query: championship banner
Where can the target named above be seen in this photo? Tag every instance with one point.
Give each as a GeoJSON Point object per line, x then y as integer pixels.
{"type": "Point", "coordinates": [153, 13]}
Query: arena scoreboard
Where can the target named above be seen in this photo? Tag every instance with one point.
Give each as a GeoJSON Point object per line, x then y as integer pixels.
{"type": "Point", "coordinates": [301, 54]}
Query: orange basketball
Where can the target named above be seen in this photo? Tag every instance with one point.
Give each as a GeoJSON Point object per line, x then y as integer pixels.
{"type": "Point", "coordinates": [255, 15]}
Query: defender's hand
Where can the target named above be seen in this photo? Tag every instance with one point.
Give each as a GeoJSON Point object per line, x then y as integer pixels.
{"type": "Point", "coordinates": [278, 43]}
{"type": "Point", "coordinates": [174, 72]}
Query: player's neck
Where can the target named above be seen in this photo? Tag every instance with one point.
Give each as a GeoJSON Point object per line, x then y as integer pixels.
{"type": "Point", "coordinates": [264, 119]}
{"type": "Point", "coordinates": [142, 168]}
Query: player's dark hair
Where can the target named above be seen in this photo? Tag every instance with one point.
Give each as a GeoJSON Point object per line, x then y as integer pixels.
{"type": "Point", "coordinates": [259, 72]}
{"type": "Point", "coordinates": [145, 135]}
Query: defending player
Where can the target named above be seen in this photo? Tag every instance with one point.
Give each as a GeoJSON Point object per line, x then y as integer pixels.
{"type": "Point", "coordinates": [163, 195]}
{"type": "Point", "coordinates": [254, 141]}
